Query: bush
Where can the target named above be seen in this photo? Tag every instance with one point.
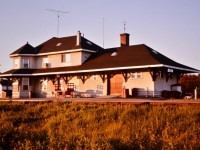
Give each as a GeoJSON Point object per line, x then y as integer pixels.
{"type": "Point", "coordinates": [171, 94]}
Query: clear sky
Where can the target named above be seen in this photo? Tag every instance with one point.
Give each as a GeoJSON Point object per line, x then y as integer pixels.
{"type": "Point", "coordinates": [172, 27]}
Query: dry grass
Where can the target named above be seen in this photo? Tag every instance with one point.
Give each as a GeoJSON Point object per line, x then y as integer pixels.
{"type": "Point", "coordinates": [70, 126]}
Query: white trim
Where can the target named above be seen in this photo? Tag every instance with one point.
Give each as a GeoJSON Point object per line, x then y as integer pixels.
{"type": "Point", "coordinates": [96, 70]}
{"type": "Point", "coordinates": [13, 55]}
{"type": "Point", "coordinates": [179, 68]}
{"type": "Point", "coordinates": [102, 69]}
{"type": "Point", "coordinates": [57, 52]}
{"type": "Point", "coordinates": [65, 51]}
{"type": "Point", "coordinates": [13, 75]}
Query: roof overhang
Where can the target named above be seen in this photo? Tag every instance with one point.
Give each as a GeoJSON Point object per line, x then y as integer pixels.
{"type": "Point", "coordinates": [15, 75]}
{"type": "Point", "coordinates": [184, 69]}
{"type": "Point", "coordinates": [102, 70]}
{"type": "Point", "coordinates": [96, 70]}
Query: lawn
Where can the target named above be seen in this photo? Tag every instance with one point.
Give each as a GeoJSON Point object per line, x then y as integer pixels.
{"type": "Point", "coordinates": [75, 126]}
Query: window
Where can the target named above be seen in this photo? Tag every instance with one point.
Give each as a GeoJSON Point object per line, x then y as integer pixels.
{"type": "Point", "coordinates": [139, 74]}
{"type": "Point", "coordinates": [45, 62]}
{"type": "Point", "coordinates": [25, 63]}
{"type": "Point", "coordinates": [114, 54]}
{"type": "Point", "coordinates": [135, 75]}
{"type": "Point", "coordinates": [65, 58]}
{"type": "Point", "coordinates": [95, 77]}
{"type": "Point", "coordinates": [25, 83]}
{"type": "Point", "coordinates": [59, 44]}
{"type": "Point", "coordinates": [16, 63]}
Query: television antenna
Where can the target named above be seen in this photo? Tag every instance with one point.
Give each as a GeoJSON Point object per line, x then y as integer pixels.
{"type": "Point", "coordinates": [124, 22]}
{"type": "Point", "coordinates": [58, 13]}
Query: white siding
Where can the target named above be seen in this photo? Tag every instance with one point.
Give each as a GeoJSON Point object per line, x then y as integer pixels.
{"type": "Point", "coordinates": [142, 84]}
{"type": "Point", "coordinates": [94, 86]}
{"type": "Point", "coordinates": [161, 84]}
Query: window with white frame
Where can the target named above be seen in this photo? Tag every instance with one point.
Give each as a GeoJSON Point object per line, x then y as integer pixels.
{"type": "Point", "coordinates": [25, 83]}
{"type": "Point", "coordinates": [65, 58]}
{"type": "Point", "coordinates": [45, 62]}
{"type": "Point", "coordinates": [16, 63]}
{"type": "Point", "coordinates": [26, 62]}
{"type": "Point", "coordinates": [95, 77]}
{"type": "Point", "coordinates": [135, 75]}
{"type": "Point", "coordinates": [139, 75]}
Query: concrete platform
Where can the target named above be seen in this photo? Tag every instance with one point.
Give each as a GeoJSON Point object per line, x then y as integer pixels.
{"type": "Point", "coordinates": [108, 100]}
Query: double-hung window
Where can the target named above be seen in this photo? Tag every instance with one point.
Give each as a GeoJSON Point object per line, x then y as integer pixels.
{"type": "Point", "coordinates": [65, 58]}
{"type": "Point", "coordinates": [26, 63]}
{"type": "Point", "coordinates": [16, 63]}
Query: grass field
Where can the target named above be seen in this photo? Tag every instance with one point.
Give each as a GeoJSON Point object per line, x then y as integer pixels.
{"type": "Point", "coordinates": [76, 126]}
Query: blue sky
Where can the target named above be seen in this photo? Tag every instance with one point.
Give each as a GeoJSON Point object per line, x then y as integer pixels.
{"type": "Point", "coordinates": [171, 27]}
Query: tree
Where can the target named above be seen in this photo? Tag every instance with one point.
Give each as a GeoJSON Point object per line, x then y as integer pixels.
{"type": "Point", "coordinates": [189, 83]}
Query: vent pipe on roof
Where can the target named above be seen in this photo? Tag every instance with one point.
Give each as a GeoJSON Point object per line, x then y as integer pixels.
{"type": "Point", "coordinates": [124, 39]}
{"type": "Point", "coordinates": [78, 38]}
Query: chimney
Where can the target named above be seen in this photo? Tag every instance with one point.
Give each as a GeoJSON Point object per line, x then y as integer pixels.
{"type": "Point", "coordinates": [78, 38]}
{"type": "Point", "coordinates": [124, 37]}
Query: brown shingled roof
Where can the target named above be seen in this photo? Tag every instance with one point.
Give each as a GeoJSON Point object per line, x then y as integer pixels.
{"type": "Point", "coordinates": [66, 43]}
{"type": "Point", "coordinates": [25, 49]}
{"type": "Point", "coordinates": [140, 56]}
{"type": "Point", "coordinates": [58, 45]}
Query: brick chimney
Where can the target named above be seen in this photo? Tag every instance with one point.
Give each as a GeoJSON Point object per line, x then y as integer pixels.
{"type": "Point", "coordinates": [78, 38]}
{"type": "Point", "coordinates": [124, 39]}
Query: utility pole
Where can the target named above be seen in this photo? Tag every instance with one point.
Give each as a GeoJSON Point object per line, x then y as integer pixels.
{"type": "Point", "coordinates": [58, 13]}
{"type": "Point", "coordinates": [103, 32]}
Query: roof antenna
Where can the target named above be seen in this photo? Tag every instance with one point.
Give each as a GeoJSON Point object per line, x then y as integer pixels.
{"type": "Point", "coordinates": [124, 25]}
{"type": "Point", "coordinates": [103, 32]}
{"type": "Point", "coordinates": [58, 12]}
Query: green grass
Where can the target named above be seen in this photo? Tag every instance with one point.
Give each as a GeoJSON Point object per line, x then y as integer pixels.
{"type": "Point", "coordinates": [70, 126]}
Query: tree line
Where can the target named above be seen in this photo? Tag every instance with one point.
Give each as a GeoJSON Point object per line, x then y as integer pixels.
{"type": "Point", "coordinates": [189, 82]}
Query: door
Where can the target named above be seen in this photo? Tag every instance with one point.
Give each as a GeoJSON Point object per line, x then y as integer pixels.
{"type": "Point", "coordinates": [116, 85]}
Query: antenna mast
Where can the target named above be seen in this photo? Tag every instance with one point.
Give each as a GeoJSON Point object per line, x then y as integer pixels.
{"type": "Point", "coordinates": [103, 32]}
{"type": "Point", "coordinates": [124, 25]}
{"type": "Point", "coordinates": [58, 13]}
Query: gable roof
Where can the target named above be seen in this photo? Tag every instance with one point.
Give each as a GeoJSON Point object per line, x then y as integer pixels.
{"type": "Point", "coordinates": [58, 45]}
